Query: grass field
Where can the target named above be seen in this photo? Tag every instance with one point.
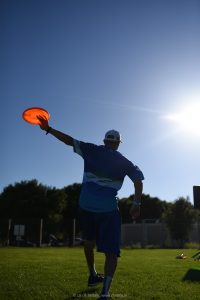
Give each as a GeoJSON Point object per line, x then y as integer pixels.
{"type": "Point", "coordinates": [60, 274]}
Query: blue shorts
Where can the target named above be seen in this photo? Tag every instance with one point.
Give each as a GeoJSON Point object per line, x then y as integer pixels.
{"type": "Point", "coordinates": [104, 228]}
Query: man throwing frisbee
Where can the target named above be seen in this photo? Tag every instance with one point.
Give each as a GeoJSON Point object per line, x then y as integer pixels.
{"type": "Point", "coordinates": [104, 171]}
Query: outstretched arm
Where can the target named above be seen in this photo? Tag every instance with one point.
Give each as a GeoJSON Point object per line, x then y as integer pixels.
{"type": "Point", "coordinates": [65, 138]}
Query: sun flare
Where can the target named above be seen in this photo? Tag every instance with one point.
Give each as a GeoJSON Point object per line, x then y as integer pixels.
{"type": "Point", "coordinates": [188, 119]}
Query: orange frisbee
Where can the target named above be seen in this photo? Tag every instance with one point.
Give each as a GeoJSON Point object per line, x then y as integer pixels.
{"type": "Point", "coordinates": [31, 115]}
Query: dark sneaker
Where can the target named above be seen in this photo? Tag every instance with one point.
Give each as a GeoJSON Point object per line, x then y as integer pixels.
{"type": "Point", "coordinates": [93, 280]}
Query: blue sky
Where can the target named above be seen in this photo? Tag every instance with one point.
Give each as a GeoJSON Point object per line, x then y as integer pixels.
{"type": "Point", "coordinates": [97, 65]}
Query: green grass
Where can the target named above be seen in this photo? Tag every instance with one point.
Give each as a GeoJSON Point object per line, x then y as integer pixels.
{"type": "Point", "coordinates": [61, 273]}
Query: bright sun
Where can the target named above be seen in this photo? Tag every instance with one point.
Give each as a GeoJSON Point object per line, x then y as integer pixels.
{"type": "Point", "coordinates": [188, 119]}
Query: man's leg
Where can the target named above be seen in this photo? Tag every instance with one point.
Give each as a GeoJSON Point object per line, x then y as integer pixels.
{"type": "Point", "coordinates": [109, 268]}
{"type": "Point", "coordinates": [89, 255]}
{"type": "Point", "coordinates": [94, 277]}
{"type": "Point", "coordinates": [110, 264]}
{"type": "Point", "coordinates": [109, 242]}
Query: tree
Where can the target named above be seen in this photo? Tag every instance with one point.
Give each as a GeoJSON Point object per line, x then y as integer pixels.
{"type": "Point", "coordinates": [179, 218]}
{"type": "Point", "coordinates": [72, 209]}
{"type": "Point", "coordinates": [56, 202]}
{"type": "Point", "coordinates": [27, 202]}
{"type": "Point", "coordinates": [124, 207]}
{"type": "Point", "coordinates": [152, 207]}
{"type": "Point", "coordinates": [72, 193]}
{"type": "Point", "coordinates": [24, 199]}
{"type": "Point", "coordinates": [31, 199]}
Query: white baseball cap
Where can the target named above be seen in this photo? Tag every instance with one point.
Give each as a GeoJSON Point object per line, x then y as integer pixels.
{"type": "Point", "coordinates": [113, 136]}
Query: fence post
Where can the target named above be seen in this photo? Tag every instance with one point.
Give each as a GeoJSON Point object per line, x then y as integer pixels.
{"type": "Point", "coordinates": [41, 228]}
{"type": "Point", "coordinates": [8, 233]}
{"type": "Point", "coordinates": [74, 232]}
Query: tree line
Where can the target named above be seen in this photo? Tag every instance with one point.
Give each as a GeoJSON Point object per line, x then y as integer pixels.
{"type": "Point", "coordinates": [29, 201]}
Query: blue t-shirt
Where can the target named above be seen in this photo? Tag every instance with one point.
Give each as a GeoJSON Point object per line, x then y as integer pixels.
{"type": "Point", "coordinates": [104, 172]}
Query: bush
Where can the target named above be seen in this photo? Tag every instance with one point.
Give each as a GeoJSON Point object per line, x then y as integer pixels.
{"type": "Point", "coordinates": [179, 219]}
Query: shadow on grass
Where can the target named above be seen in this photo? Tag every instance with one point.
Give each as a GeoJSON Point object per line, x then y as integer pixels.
{"type": "Point", "coordinates": [192, 275]}
{"type": "Point", "coordinates": [85, 294]}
